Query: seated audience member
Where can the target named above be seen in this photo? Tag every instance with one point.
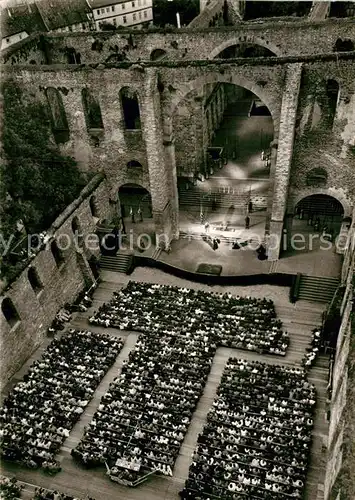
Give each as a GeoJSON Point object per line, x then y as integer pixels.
{"type": "Point", "coordinates": [258, 435]}
{"type": "Point", "coordinates": [40, 411]}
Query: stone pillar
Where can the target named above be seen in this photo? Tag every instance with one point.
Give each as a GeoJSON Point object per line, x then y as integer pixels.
{"type": "Point", "coordinates": [236, 10]}
{"type": "Point", "coordinates": [160, 159]}
{"type": "Point", "coordinates": [284, 157]}
{"type": "Point", "coordinates": [273, 148]}
{"type": "Point", "coordinates": [79, 141]}
{"type": "Point", "coordinates": [200, 144]}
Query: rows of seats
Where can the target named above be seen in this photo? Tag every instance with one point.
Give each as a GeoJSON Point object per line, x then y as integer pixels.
{"type": "Point", "coordinates": [146, 412]}
{"type": "Point", "coordinates": [256, 442]}
{"type": "Point", "coordinates": [12, 489]}
{"type": "Point", "coordinates": [45, 494]}
{"type": "Point", "coordinates": [40, 411]}
{"type": "Point", "coordinates": [238, 322]}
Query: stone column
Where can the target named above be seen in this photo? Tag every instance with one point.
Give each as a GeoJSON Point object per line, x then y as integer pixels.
{"type": "Point", "coordinates": [284, 157]}
{"type": "Point", "coordinates": [200, 145]}
{"type": "Point", "coordinates": [78, 144]}
{"type": "Point", "coordinates": [160, 159]}
{"type": "Point", "coordinates": [273, 149]}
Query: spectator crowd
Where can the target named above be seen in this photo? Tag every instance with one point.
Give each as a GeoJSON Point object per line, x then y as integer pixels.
{"type": "Point", "coordinates": [313, 350]}
{"type": "Point", "coordinates": [257, 439]}
{"type": "Point", "coordinates": [239, 322]}
{"type": "Point", "coordinates": [11, 489]}
{"type": "Point", "coordinates": [256, 442]}
{"type": "Point", "coordinates": [40, 411]}
{"type": "Point", "coordinates": [146, 412]}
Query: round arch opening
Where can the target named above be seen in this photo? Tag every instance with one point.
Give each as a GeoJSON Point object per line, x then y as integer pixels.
{"type": "Point", "coordinates": [315, 225]}
{"type": "Point", "coordinates": [157, 54]}
{"type": "Point", "coordinates": [135, 200]}
{"type": "Point", "coordinates": [244, 50]}
{"type": "Point", "coordinates": [223, 134]}
{"type": "Point", "coordinates": [320, 205]}
{"type": "Point", "coordinates": [245, 47]}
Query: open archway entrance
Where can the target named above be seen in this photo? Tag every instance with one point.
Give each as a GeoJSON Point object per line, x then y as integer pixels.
{"type": "Point", "coordinates": [316, 224]}
{"type": "Point", "coordinates": [136, 200]}
{"type": "Point", "coordinates": [223, 136]}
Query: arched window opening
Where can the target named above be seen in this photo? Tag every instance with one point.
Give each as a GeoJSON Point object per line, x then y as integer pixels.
{"type": "Point", "coordinates": [130, 109]}
{"type": "Point", "coordinates": [57, 254]}
{"type": "Point", "coordinates": [92, 111]}
{"type": "Point", "coordinates": [9, 311]}
{"type": "Point", "coordinates": [134, 164]}
{"type": "Point", "coordinates": [332, 91]}
{"type": "Point", "coordinates": [157, 54]}
{"type": "Point", "coordinates": [317, 177]}
{"type": "Point", "coordinates": [244, 50]}
{"type": "Point", "coordinates": [59, 120]}
{"type": "Point", "coordinates": [346, 45]}
{"type": "Point", "coordinates": [73, 56]}
{"type": "Point", "coordinates": [93, 206]}
{"type": "Point", "coordinates": [76, 229]}
{"type": "Point", "coordinates": [34, 280]}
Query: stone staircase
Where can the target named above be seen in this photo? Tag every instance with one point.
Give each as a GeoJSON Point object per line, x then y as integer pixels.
{"type": "Point", "coordinates": [317, 288]}
{"type": "Point", "coordinates": [120, 263]}
{"type": "Point", "coordinates": [221, 197]}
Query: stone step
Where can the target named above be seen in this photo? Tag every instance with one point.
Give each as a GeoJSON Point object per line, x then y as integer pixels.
{"type": "Point", "coordinates": [317, 288]}
{"type": "Point", "coordinates": [118, 263]}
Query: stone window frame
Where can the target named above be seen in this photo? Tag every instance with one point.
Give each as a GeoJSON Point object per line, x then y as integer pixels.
{"type": "Point", "coordinates": [57, 254]}
{"type": "Point", "coordinates": [14, 320]}
{"type": "Point", "coordinates": [37, 287]}
{"type": "Point", "coordinates": [132, 94]}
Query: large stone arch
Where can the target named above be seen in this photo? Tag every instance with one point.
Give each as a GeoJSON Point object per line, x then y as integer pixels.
{"type": "Point", "coordinates": [246, 39]}
{"type": "Point", "coordinates": [143, 199]}
{"type": "Point", "coordinates": [339, 196]}
{"type": "Point", "coordinates": [115, 186]}
{"type": "Point", "coordinates": [213, 77]}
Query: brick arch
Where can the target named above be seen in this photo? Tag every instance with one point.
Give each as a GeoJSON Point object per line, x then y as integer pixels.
{"type": "Point", "coordinates": [340, 197]}
{"type": "Point", "coordinates": [236, 79]}
{"type": "Point", "coordinates": [246, 39]}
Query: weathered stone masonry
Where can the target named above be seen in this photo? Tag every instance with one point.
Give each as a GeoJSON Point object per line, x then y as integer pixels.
{"type": "Point", "coordinates": [36, 310]}
{"type": "Point", "coordinates": [160, 90]}
{"type": "Point", "coordinates": [282, 38]}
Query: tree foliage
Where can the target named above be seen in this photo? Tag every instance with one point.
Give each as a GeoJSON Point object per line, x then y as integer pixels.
{"type": "Point", "coordinates": [37, 181]}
